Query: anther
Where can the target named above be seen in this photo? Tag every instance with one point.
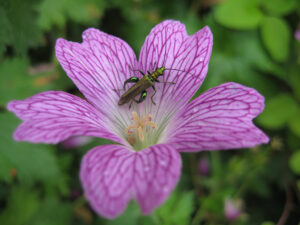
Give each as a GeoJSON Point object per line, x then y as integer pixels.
{"type": "Point", "coordinates": [138, 127]}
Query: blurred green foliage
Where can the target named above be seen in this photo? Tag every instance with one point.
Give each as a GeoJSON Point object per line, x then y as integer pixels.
{"type": "Point", "coordinates": [254, 45]}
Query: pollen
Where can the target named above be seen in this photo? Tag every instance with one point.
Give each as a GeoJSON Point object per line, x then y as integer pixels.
{"type": "Point", "coordinates": [139, 127]}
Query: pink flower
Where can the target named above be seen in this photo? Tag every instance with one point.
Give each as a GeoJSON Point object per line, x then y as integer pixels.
{"type": "Point", "coordinates": [146, 164]}
{"type": "Point", "coordinates": [297, 33]}
{"type": "Point", "coordinates": [204, 166]}
{"type": "Point", "coordinates": [232, 209]}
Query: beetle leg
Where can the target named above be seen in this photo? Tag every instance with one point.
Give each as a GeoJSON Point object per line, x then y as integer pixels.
{"type": "Point", "coordinates": [153, 94]}
{"type": "Point", "coordinates": [142, 97]}
{"type": "Point", "coordinates": [130, 80]}
{"type": "Point", "coordinates": [142, 73]}
{"type": "Point", "coordinates": [154, 65]}
{"type": "Point", "coordinates": [130, 104]}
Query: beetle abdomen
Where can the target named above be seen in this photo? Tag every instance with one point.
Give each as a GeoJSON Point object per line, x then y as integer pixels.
{"type": "Point", "coordinates": [134, 91]}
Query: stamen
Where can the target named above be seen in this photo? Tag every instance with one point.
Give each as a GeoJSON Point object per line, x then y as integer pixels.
{"type": "Point", "coordinates": [141, 134]}
{"type": "Point", "coordinates": [135, 117]}
{"type": "Point", "coordinates": [129, 129]}
{"type": "Point", "coordinates": [138, 127]}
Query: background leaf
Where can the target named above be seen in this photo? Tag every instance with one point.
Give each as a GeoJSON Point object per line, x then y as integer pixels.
{"type": "Point", "coordinates": [276, 36]}
{"type": "Point", "coordinates": [278, 111]}
{"type": "Point", "coordinates": [57, 12]}
{"type": "Point", "coordinates": [180, 205]}
{"type": "Point", "coordinates": [295, 162]}
{"type": "Point", "coordinates": [22, 155]}
{"type": "Point", "coordinates": [22, 204]}
{"type": "Point", "coordinates": [294, 122]}
{"type": "Point", "coordinates": [52, 211]}
{"type": "Point", "coordinates": [239, 14]}
{"type": "Point", "coordinates": [279, 7]}
{"type": "Point", "coordinates": [18, 80]}
{"type": "Point", "coordinates": [19, 25]}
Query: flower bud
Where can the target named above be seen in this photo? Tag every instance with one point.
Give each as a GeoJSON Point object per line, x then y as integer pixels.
{"type": "Point", "coordinates": [232, 209]}
{"type": "Point", "coordinates": [204, 166]}
{"type": "Point", "coordinates": [76, 141]}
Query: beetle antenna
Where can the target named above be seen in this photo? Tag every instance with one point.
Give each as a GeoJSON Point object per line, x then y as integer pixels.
{"type": "Point", "coordinates": [182, 71]}
{"type": "Point", "coordinates": [165, 46]}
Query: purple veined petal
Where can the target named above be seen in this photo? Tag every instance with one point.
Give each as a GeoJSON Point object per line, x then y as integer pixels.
{"type": "Point", "coordinates": [169, 45]}
{"type": "Point", "coordinates": [53, 116]}
{"type": "Point", "coordinates": [106, 174]}
{"type": "Point", "coordinates": [157, 171]}
{"type": "Point", "coordinates": [112, 174]}
{"type": "Point", "coordinates": [98, 66]}
{"type": "Point", "coordinates": [220, 118]}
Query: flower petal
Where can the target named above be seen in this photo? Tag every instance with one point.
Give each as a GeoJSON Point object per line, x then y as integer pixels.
{"type": "Point", "coordinates": [53, 116]}
{"type": "Point", "coordinates": [220, 118]}
{"type": "Point", "coordinates": [111, 175]}
{"type": "Point", "coordinates": [157, 170]}
{"type": "Point", "coordinates": [106, 174]}
{"type": "Point", "coordinates": [98, 66]}
{"type": "Point", "coordinates": [169, 45]}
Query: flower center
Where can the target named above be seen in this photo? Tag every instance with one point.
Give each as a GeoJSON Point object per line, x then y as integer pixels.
{"type": "Point", "coordinates": [139, 129]}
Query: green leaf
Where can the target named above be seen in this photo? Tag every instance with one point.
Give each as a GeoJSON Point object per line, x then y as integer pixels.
{"type": "Point", "coordinates": [136, 30]}
{"type": "Point", "coordinates": [19, 25]}
{"type": "Point", "coordinates": [292, 140]}
{"type": "Point", "coordinates": [250, 49]}
{"type": "Point", "coordinates": [239, 14]}
{"type": "Point", "coordinates": [294, 80]}
{"type": "Point", "coordinates": [240, 57]}
{"type": "Point", "coordinates": [33, 162]}
{"type": "Point", "coordinates": [213, 203]}
{"type": "Point", "coordinates": [17, 83]}
{"type": "Point", "coordinates": [295, 162]}
{"type": "Point", "coordinates": [268, 223]}
{"type": "Point", "coordinates": [180, 206]}
{"type": "Point", "coordinates": [279, 7]}
{"type": "Point", "coordinates": [192, 22]}
{"type": "Point", "coordinates": [294, 123]}
{"type": "Point", "coordinates": [259, 185]}
{"type": "Point", "coordinates": [22, 204]}
{"type": "Point", "coordinates": [50, 13]}
{"type": "Point", "coordinates": [224, 68]}
{"type": "Point", "coordinates": [14, 80]}
{"type": "Point", "coordinates": [4, 31]}
{"type": "Point", "coordinates": [56, 12]}
{"type": "Point", "coordinates": [129, 217]}
{"type": "Point", "coordinates": [85, 11]}
{"type": "Point", "coordinates": [278, 111]}
{"type": "Point", "coordinates": [6, 167]}
{"type": "Point", "coordinates": [276, 36]}
{"type": "Point", "coordinates": [51, 211]}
